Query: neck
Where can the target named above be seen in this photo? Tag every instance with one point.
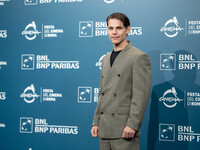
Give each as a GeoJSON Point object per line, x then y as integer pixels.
{"type": "Point", "coordinates": [120, 46]}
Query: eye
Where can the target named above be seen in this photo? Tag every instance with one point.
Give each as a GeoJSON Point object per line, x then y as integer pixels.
{"type": "Point", "coordinates": [119, 28]}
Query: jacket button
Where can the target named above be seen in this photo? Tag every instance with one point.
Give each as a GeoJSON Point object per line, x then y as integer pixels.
{"type": "Point", "coordinates": [118, 75]}
{"type": "Point", "coordinates": [102, 94]}
{"type": "Point", "coordinates": [113, 114]}
{"type": "Point", "coordinates": [101, 113]}
{"type": "Point", "coordinates": [115, 94]}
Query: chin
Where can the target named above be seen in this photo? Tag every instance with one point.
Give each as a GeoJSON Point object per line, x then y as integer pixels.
{"type": "Point", "coordinates": [115, 42]}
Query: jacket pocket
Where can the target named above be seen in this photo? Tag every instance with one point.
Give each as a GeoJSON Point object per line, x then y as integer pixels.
{"type": "Point", "coordinates": [125, 110]}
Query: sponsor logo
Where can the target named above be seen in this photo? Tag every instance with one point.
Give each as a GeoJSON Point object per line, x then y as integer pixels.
{"type": "Point", "coordinates": [30, 2]}
{"type": "Point", "coordinates": [86, 29]}
{"type": "Point", "coordinates": [41, 126]}
{"type": "Point", "coordinates": [3, 63]}
{"type": "Point", "coordinates": [187, 62]}
{"type": "Point", "coordinates": [99, 63]}
{"type": "Point", "coordinates": [109, 1]}
{"type": "Point", "coordinates": [184, 133]}
{"type": "Point", "coordinates": [3, 96]}
{"type": "Point", "coordinates": [31, 31]}
{"type": "Point", "coordinates": [100, 29]}
{"type": "Point", "coordinates": [26, 125]}
{"type": "Point", "coordinates": [184, 61]}
{"type": "Point", "coordinates": [135, 31]}
{"type": "Point", "coordinates": [171, 28]}
{"type": "Point", "coordinates": [166, 132]}
{"type": "Point", "coordinates": [2, 2]}
{"type": "Point", "coordinates": [170, 98]}
{"type": "Point", "coordinates": [48, 31]}
{"type": "Point", "coordinates": [167, 61]}
{"type": "Point", "coordinates": [3, 34]}
{"type": "Point", "coordinates": [27, 61]}
{"type": "Point", "coordinates": [29, 95]}
{"type": "Point", "coordinates": [43, 62]}
{"type": "Point", "coordinates": [85, 94]}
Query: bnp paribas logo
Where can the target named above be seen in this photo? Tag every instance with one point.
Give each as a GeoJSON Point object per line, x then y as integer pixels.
{"type": "Point", "coordinates": [86, 29]}
{"type": "Point", "coordinates": [27, 61]}
{"type": "Point", "coordinates": [30, 2]}
{"type": "Point", "coordinates": [26, 125]}
{"type": "Point", "coordinates": [84, 94]}
{"type": "Point", "coordinates": [168, 61]}
{"type": "Point", "coordinates": [166, 132]}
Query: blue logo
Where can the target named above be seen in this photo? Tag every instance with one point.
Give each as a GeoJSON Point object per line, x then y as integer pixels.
{"type": "Point", "coordinates": [167, 61]}
{"type": "Point", "coordinates": [84, 94]}
{"type": "Point", "coordinates": [167, 132]}
{"type": "Point", "coordinates": [26, 125]}
{"type": "Point", "coordinates": [30, 2]}
{"type": "Point", "coordinates": [27, 62]}
{"type": "Point", "coordinates": [86, 29]}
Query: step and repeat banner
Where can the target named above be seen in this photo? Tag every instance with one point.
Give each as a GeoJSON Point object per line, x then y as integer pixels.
{"type": "Point", "coordinates": [51, 53]}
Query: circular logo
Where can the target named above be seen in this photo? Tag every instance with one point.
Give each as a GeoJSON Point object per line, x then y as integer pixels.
{"type": "Point", "coordinates": [29, 94]}
{"type": "Point", "coordinates": [109, 1]}
{"type": "Point", "coordinates": [170, 98]}
{"type": "Point", "coordinates": [171, 28]}
{"type": "Point", "coordinates": [30, 31]}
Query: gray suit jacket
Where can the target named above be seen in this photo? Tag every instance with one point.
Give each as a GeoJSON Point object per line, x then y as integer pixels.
{"type": "Point", "coordinates": [124, 92]}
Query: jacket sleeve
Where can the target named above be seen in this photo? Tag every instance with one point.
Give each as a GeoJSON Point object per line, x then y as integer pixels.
{"type": "Point", "coordinates": [97, 113]}
{"type": "Point", "coordinates": [141, 85]}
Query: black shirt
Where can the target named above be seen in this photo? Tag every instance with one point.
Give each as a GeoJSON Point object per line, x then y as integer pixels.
{"type": "Point", "coordinates": [113, 56]}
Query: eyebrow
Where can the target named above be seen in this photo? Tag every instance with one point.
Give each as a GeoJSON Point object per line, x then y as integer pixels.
{"type": "Point", "coordinates": [115, 27]}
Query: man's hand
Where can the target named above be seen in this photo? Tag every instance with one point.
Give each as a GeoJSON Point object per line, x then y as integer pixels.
{"type": "Point", "coordinates": [128, 132]}
{"type": "Point", "coordinates": [94, 131]}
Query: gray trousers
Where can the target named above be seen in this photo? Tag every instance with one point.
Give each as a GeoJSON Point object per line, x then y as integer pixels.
{"type": "Point", "coordinates": [119, 144]}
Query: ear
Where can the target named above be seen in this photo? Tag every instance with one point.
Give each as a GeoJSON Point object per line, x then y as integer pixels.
{"type": "Point", "coordinates": [128, 29]}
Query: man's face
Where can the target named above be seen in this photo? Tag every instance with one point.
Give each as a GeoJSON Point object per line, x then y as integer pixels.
{"type": "Point", "coordinates": [117, 31]}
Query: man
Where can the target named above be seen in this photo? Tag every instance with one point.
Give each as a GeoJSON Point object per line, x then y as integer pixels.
{"type": "Point", "coordinates": [125, 83]}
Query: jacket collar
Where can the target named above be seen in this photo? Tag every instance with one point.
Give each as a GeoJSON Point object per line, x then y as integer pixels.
{"type": "Point", "coordinates": [127, 46]}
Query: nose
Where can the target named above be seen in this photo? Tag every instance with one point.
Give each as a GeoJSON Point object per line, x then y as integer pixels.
{"type": "Point", "coordinates": [114, 31]}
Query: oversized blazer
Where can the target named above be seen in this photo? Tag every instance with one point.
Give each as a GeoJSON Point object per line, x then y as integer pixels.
{"type": "Point", "coordinates": [124, 92]}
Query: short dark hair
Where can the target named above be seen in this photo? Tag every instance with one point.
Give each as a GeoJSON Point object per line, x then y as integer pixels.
{"type": "Point", "coordinates": [120, 16]}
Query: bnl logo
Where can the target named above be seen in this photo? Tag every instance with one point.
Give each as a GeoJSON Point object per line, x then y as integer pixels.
{"type": "Point", "coordinates": [26, 125]}
{"type": "Point", "coordinates": [166, 132]}
{"type": "Point", "coordinates": [30, 2]}
{"type": "Point", "coordinates": [27, 61]}
{"type": "Point", "coordinates": [86, 29]}
{"type": "Point", "coordinates": [84, 94]}
{"type": "Point", "coordinates": [168, 61]}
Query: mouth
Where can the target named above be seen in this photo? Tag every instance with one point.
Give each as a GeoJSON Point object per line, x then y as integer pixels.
{"type": "Point", "coordinates": [115, 38]}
